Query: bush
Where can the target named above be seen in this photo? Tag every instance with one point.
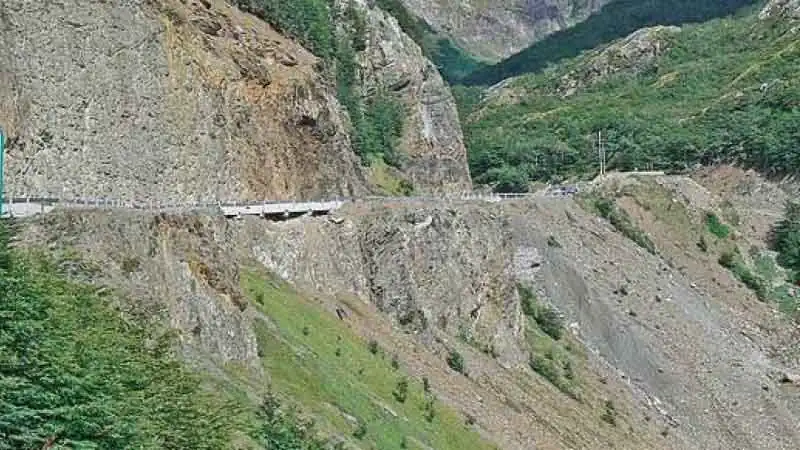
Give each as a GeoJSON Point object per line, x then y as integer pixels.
{"type": "Point", "coordinates": [373, 346]}
{"type": "Point", "coordinates": [731, 261]}
{"type": "Point", "coordinates": [716, 227]}
{"type": "Point", "coordinates": [610, 414]}
{"type": "Point", "coordinates": [456, 361]}
{"type": "Point", "coordinates": [620, 220]}
{"type": "Point", "coordinates": [430, 411]}
{"type": "Point", "coordinates": [359, 433]}
{"type": "Point", "coordinates": [553, 242]}
{"type": "Point", "coordinates": [527, 300]}
{"type": "Point", "coordinates": [400, 392]}
{"type": "Point", "coordinates": [282, 429]}
{"type": "Point", "coordinates": [550, 322]}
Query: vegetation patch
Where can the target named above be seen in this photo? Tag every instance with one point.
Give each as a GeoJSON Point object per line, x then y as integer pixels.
{"type": "Point", "coordinates": [621, 221]}
{"type": "Point", "coordinates": [360, 383]}
{"type": "Point", "coordinates": [547, 319]}
{"type": "Point", "coordinates": [716, 227]}
{"type": "Point", "coordinates": [549, 355]}
{"type": "Point", "coordinates": [733, 261]}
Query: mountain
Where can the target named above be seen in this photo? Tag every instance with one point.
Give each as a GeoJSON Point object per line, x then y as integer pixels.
{"type": "Point", "coordinates": [615, 20]}
{"type": "Point", "coordinates": [665, 98]}
{"type": "Point", "coordinates": [494, 30]}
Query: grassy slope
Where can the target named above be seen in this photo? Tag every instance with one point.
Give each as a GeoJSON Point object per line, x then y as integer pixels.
{"type": "Point", "coordinates": [311, 357]}
{"type": "Point", "coordinates": [702, 101]}
{"type": "Point", "coordinates": [613, 21]}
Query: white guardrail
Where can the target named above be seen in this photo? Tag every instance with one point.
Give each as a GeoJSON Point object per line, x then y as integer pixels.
{"type": "Point", "coordinates": [25, 206]}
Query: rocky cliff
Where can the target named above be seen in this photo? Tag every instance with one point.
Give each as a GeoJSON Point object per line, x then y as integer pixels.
{"type": "Point", "coordinates": [787, 9]}
{"type": "Point", "coordinates": [393, 64]}
{"type": "Point", "coordinates": [192, 101]}
{"type": "Point", "coordinates": [494, 30]}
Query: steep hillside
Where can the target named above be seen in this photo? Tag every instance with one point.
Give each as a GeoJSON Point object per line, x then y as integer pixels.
{"type": "Point", "coordinates": [663, 344]}
{"type": "Point", "coordinates": [616, 19]}
{"type": "Point", "coordinates": [663, 98]}
{"type": "Point", "coordinates": [435, 304]}
{"type": "Point", "coordinates": [214, 104]}
{"type": "Point", "coordinates": [494, 30]}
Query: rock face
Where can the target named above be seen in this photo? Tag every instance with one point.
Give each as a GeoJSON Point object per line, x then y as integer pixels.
{"type": "Point", "coordinates": [423, 267]}
{"type": "Point", "coordinates": [632, 54]}
{"type": "Point", "coordinates": [198, 101]}
{"type": "Point", "coordinates": [786, 9]}
{"type": "Point", "coordinates": [495, 29]}
{"type": "Point", "coordinates": [432, 141]}
{"type": "Point", "coordinates": [183, 102]}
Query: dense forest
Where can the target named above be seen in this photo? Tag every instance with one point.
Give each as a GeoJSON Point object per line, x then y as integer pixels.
{"type": "Point", "coordinates": [615, 20]}
{"type": "Point", "coordinates": [725, 91]}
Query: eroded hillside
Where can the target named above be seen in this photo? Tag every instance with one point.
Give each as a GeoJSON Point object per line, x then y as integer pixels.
{"type": "Point", "coordinates": [184, 101]}
{"type": "Point", "coordinates": [661, 349]}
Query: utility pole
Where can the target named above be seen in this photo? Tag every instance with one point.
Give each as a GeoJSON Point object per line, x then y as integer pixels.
{"type": "Point", "coordinates": [601, 153]}
{"type": "Point", "coordinates": [2, 169]}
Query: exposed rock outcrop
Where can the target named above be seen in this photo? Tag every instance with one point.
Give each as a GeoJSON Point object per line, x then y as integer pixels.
{"type": "Point", "coordinates": [786, 9]}
{"type": "Point", "coordinates": [432, 142]}
{"type": "Point", "coordinates": [495, 30]}
{"type": "Point", "coordinates": [632, 54]}
{"type": "Point", "coordinates": [168, 99]}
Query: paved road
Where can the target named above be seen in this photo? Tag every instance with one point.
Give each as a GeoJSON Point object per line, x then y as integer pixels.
{"type": "Point", "coordinates": [31, 206]}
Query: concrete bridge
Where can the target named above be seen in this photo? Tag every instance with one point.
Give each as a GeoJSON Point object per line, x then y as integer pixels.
{"type": "Point", "coordinates": [24, 206]}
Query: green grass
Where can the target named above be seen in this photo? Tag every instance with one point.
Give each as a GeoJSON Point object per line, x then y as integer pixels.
{"type": "Point", "coordinates": [356, 382]}
{"type": "Point", "coordinates": [725, 91]}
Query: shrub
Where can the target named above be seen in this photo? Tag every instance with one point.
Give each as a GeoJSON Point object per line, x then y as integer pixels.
{"type": "Point", "coordinates": [430, 411]}
{"type": "Point", "coordinates": [395, 362]}
{"type": "Point", "coordinates": [702, 244]}
{"type": "Point", "coordinates": [727, 260]}
{"type": "Point", "coordinates": [281, 428]}
{"type": "Point", "coordinates": [426, 385]}
{"type": "Point", "coordinates": [400, 392]}
{"type": "Point", "coordinates": [373, 347]}
{"type": "Point", "coordinates": [610, 414]}
{"type": "Point", "coordinates": [550, 322]}
{"type": "Point", "coordinates": [527, 300]}
{"type": "Point", "coordinates": [359, 433]}
{"type": "Point", "coordinates": [553, 242]}
{"type": "Point", "coordinates": [620, 220]}
{"type": "Point", "coordinates": [456, 361]}
{"type": "Point", "coordinates": [716, 227]}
